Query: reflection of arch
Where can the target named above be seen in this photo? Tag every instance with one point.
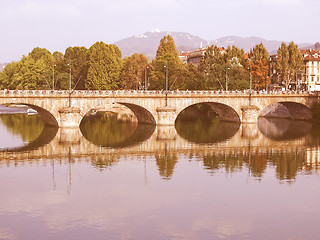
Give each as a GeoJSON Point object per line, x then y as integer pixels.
{"type": "Point", "coordinates": [283, 129]}
{"type": "Point", "coordinates": [206, 132]}
{"type": "Point", "coordinates": [224, 112]}
{"type": "Point", "coordinates": [46, 136]}
{"type": "Point", "coordinates": [141, 133]}
{"type": "Point", "coordinates": [142, 114]}
{"type": "Point", "coordinates": [289, 110]}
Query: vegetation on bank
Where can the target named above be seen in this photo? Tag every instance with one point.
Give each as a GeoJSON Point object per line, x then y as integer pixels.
{"type": "Point", "coordinates": [102, 67]}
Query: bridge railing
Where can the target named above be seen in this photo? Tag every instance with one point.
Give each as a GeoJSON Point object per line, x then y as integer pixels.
{"type": "Point", "coordinates": [149, 92]}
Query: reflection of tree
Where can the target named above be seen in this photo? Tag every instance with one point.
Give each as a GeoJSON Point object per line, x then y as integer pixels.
{"type": "Point", "coordinates": [231, 164]}
{"type": "Point", "coordinates": [103, 163]}
{"type": "Point", "coordinates": [287, 164]}
{"type": "Point", "coordinates": [166, 164]}
{"type": "Point", "coordinates": [29, 127]}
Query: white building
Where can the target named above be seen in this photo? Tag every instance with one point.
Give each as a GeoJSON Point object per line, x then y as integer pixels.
{"type": "Point", "coordinates": [312, 69]}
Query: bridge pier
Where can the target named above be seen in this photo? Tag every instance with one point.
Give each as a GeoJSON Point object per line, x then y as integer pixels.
{"type": "Point", "coordinates": [166, 115]}
{"type": "Point", "coordinates": [250, 114]}
{"type": "Point", "coordinates": [69, 117]}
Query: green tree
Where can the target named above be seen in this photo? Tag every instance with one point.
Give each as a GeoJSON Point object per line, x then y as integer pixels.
{"type": "Point", "coordinates": [191, 78]}
{"type": "Point", "coordinates": [134, 71]}
{"type": "Point", "coordinates": [213, 67]}
{"type": "Point", "coordinates": [104, 66]}
{"type": "Point", "coordinates": [77, 57]}
{"type": "Point", "coordinates": [166, 62]}
{"type": "Point", "coordinates": [224, 69]}
{"type": "Point", "coordinates": [289, 63]}
{"type": "Point", "coordinates": [295, 61]}
{"type": "Point", "coordinates": [282, 64]}
{"type": "Point", "coordinates": [8, 75]}
{"type": "Point", "coordinates": [31, 72]}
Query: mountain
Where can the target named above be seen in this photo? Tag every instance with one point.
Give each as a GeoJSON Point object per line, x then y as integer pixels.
{"type": "Point", "coordinates": [148, 43]}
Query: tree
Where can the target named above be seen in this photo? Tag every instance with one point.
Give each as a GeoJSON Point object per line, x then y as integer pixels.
{"type": "Point", "coordinates": [31, 72]}
{"type": "Point", "coordinates": [104, 66]}
{"type": "Point", "coordinates": [213, 67]}
{"type": "Point", "coordinates": [134, 71]}
{"type": "Point", "coordinates": [224, 69]}
{"type": "Point", "coordinates": [77, 57]}
{"type": "Point", "coordinates": [259, 65]}
{"type": "Point", "coordinates": [289, 63]}
{"type": "Point", "coordinates": [282, 64]}
{"type": "Point", "coordinates": [295, 62]}
{"type": "Point", "coordinates": [167, 62]}
{"type": "Point", "coordinates": [191, 78]}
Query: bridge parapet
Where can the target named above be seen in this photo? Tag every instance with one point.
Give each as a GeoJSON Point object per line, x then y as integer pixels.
{"type": "Point", "coordinates": [151, 93]}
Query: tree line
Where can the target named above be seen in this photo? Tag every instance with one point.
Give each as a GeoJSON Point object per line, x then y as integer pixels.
{"type": "Point", "coordinates": [101, 67]}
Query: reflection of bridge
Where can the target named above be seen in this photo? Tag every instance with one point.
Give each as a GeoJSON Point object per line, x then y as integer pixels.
{"type": "Point", "coordinates": [59, 108]}
{"type": "Point", "coordinates": [69, 144]}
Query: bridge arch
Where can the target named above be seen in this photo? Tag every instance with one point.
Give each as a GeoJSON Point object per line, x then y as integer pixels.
{"type": "Point", "coordinates": [287, 110]}
{"type": "Point", "coordinates": [223, 111]}
{"type": "Point", "coordinates": [48, 118]}
{"type": "Point", "coordinates": [142, 114]}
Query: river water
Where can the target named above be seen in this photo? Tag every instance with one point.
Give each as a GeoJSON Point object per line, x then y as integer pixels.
{"type": "Point", "coordinates": [197, 180]}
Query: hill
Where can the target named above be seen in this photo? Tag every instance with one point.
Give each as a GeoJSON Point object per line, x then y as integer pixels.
{"type": "Point", "coordinates": [148, 43]}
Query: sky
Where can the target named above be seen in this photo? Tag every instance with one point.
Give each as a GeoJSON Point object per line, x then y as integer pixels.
{"type": "Point", "coordinates": [59, 24]}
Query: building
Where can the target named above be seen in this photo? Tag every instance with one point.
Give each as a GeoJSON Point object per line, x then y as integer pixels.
{"type": "Point", "coordinates": [307, 79]}
{"type": "Point", "coordinates": [196, 56]}
{"type": "Point", "coordinates": [311, 72]}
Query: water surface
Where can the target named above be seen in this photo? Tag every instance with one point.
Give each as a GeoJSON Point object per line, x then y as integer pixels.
{"type": "Point", "coordinates": [111, 180]}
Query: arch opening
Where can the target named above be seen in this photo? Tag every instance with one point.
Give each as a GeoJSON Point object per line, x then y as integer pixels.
{"type": "Point", "coordinates": [124, 112]}
{"type": "Point", "coordinates": [209, 110]}
{"type": "Point", "coordinates": [24, 131]}
{"type": "Point", "coordinates": [287, 110]}
{"type": "Point", "coordinates": [207, 123]}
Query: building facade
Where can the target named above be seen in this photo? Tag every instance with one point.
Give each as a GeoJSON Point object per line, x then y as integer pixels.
{"type": "Point", "coordinates": [311, 71]}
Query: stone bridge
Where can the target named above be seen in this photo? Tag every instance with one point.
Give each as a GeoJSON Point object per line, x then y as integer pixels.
{"type": "Point", "coordinates": [66, 109]}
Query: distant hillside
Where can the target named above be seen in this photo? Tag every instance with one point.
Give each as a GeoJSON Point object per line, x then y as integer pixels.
{"type": "Point", "coordinates": [148, 43]}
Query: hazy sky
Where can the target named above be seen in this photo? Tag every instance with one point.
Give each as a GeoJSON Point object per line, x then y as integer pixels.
{"type": "Point", "coordinates": [58, 24]}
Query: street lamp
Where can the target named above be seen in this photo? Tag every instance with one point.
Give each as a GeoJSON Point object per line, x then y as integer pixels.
{"type": "Point", "coordinates": [166, 84]}
{"type": "Point", "coordinates": [145, 78]}
{"type": "Point", "coordinates": [69, 64]}
{"type": "Point", "coordinates": [53, 76]}
{"type": "Point", "coordinates": [227, 68]}
{"type": "Point", "coordinates": [250, 74]}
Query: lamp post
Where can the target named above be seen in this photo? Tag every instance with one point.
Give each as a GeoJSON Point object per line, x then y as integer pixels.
{"type": "Point", "coordinates": [69, 64]}
{"type": "Point", "coordinates": [250, 75]}
{"type": "Point", "coordinates": [70, 83]}
{"type": "Point", "coordinates": [166, 84]}
{"type": "Point", "coordinates": [227, 68]}
{"type": "Point", "coordinates": [53, 76]}
{"type": "Point", "coordinates": [145, 78]}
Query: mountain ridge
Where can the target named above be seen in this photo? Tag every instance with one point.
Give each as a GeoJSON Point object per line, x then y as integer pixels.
{"type": "Point", "coordinates": [148, 43]}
